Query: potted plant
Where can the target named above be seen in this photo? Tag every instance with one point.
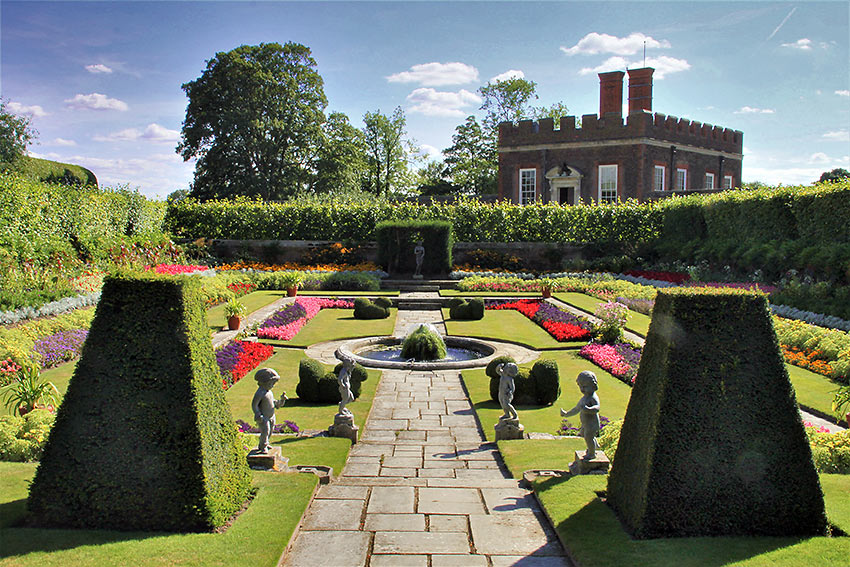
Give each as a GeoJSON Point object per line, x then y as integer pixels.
{"type": "Point", "coordinates": [234, 309]}
{"type": "Point", "coordinates": [546, 286]}
{"type": "Point", "coordinates": [29, 392]}
{"type": "Point", "coordinates": [291, 281]}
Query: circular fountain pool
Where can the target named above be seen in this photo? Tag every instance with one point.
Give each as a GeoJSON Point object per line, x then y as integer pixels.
{"type": "Point", "coordinates": [385, 352]}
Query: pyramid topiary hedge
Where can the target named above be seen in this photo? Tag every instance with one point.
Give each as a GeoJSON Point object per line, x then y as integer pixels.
{"type": "Point", "coordinates": [712, 442]}
{"type": "Point", "coordinates": [144, 438]}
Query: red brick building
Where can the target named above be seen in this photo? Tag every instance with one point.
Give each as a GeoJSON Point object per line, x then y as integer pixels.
{"type": "Point", "coordinates": [649, 156]}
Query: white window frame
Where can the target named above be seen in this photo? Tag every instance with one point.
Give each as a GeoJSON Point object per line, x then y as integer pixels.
{"type": "Point", "coordinates": [608, 194]}
{"type": "Point", "coordinates": [655, 185]}
{"type": "Point", "coordinates": [709, 185]}
{"type": "Point", "coordinates": [527, 191]}
{"type": "Point", "coordinates": [727, 182]}
{"type": "Point", "coordinates": [681, 179]}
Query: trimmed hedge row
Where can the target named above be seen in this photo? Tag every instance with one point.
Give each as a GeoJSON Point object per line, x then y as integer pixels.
{"type": "Point", "coordinates": [712, 442]}
{"type": "Point", "coordinates": [397, 241]}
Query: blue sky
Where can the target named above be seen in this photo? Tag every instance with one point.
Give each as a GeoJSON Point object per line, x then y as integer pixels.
{"type": "Point", "coordinates": [102, 80]}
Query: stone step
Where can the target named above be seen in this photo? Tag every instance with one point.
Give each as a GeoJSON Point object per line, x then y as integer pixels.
{"type": "Point", "coordinates": [419, 305]}
{"type": "Point", "coordinates": [418, 285]}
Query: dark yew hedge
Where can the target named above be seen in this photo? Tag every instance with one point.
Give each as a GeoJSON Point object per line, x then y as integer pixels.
{"type": "Point", "coordinates": [144, 439]}
{"type": "Point", "coordinates": [397, 241]}
{"type": "Point", "coordinates": [712, 442]}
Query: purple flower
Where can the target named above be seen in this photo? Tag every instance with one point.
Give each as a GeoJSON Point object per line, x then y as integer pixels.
{"type": "Point", "coordinates": [59, 347]}
{"type": "Point", "coordinates": [285, 316]}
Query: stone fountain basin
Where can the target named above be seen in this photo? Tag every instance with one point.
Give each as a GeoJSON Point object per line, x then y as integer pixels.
{"type": "Point", "coordinates": [351, 348]}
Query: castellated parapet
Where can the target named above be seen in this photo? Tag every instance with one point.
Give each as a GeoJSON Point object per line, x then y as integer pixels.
{"type": "Point", "coordinates": [611, 127]}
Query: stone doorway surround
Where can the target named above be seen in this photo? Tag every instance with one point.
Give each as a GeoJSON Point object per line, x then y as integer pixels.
{"type": "Point", "coordinates": [564, 184]}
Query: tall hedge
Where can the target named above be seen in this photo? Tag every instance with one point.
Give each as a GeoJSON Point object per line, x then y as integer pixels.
{"type": "Point", "coordinates": [712, 442]}
{"type": "Point", "coordinates": [397, 241]}
{"type": "Point", "coordinates": [144, 438]}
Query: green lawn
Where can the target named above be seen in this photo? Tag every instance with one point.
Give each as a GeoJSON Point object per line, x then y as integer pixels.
{"type": "Point", "coordinates": [596, 539]}
{"type": "Point", "coordinates": [813, 390]}
{"type": "Point", "coordinates": [613, 394]}
{"type": "Point", "coordinates": [257, 537]}
{"type": "Point", "coordinates": [216, 318]}
{"type": "Point", "coordinates": [637, 322]}
{"type": "Point", "coordinates": [336, 324]}
{"type": "Point", "coordinates": [306, 415]}
{"type": "Point", "coordinates": [506, 325]}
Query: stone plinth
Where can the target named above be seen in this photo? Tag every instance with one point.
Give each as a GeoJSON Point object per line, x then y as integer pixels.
{"type": "Point", "coordinates": [597, 465]}
{"type": "Point", "coordinates": [344, 427]}
{"type": "Point", "coordinates": [272, 460]}
{"type": "Point", "coordinates": [509, 429]}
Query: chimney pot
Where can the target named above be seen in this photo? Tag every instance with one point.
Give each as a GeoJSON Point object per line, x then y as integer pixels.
{"type": "Point", "coordinates": [640, 89]}
{"type": "Point", "coordinates": [611, 93]}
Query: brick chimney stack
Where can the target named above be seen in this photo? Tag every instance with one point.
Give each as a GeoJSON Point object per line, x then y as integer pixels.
{"type": "Point", "coordinates": [640, 89]}
{"type": "Point", "coordinates": [611, 93]}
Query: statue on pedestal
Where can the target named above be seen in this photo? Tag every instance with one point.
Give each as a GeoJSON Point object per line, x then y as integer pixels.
{"type": "Point", "coordinates": [588, 410]}
{"type": "Point", "coordinates": [344, 381]}
{"type": "Point", "coordinates": [507, 372]}
{"type": "Point", "coordinates": [264, 405]}
{"type": "Point", "coordinates": [419, 252]}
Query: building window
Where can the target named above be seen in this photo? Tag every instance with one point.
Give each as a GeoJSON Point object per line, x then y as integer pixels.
{"type": "Point", "coordinates": [527, 186]}
{"type": "Point", "coordinates": [727, 182]}
{"type": "Point", "coordinates": [658, 181]}
{"type": "Point", "coordinates": [607, 183]}
{"type": "Point", "coordinates": [709, 181]}
{"type": "Point", "coordinates": [681, 179]}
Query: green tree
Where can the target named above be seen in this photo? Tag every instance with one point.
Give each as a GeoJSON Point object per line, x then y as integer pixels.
{"type": "Point", "coordinates": [472, 161]}
{"type": "Point", "coordinates": [386, 151]}
{"type": "Point", "coordinates": [254, 122]}
{"type": "Point", "coordinates": [506, 101]}
{"type": "Point", "coordinates": [431, 180]}
{"type": "Point", "coordinates": [555, 112]}
{"type": "Point", "coordinates": [16, 134]}
{"type": "Point", "coordinates": [341, 160]}
{"type": "Point", "coordinates": [835, 175]}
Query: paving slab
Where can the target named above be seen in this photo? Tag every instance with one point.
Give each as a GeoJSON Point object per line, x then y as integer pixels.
{"type": "Point", "coordinates": [399, 561]}
{"type": "Point", "coordinates": [447, 523]}
{"type": "Point", "coordinates": [395, 522]}
{"type": "Point", "coordinates": [421, 542]}
{"type": "Point", "coordinates": [460, 561]}
{"type": "Point", "coordinates": [329, 549]}
{"type": "Point", "coordinates": [509, 534]}
{"type": "Point", "coordinates": [334, 515]}
{"type": "Point", "coordinates": [391, 500]}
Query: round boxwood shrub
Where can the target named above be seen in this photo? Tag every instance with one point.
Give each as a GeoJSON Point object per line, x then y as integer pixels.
{"type": "Point", "coordinates": [366, 309]}
{"type": "Point", "coordinates": [384, 302]}
{"type": "Point", "coordinates": [539, 386]}
{"type": "Point", "coordinates": [547, 381]}
{"type": "Point", "coordinates": [467, 309]}
{"type": "Point", "coordinates": [317, 384]}
{"type": "Point", "coordinates": [492, 372]}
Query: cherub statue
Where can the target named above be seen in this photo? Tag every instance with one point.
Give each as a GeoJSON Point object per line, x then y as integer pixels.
{"type": "Point", "coordinates": [344, 380]}
{"type": "Point", "coordinates": [507, 372]}
{"type": "Point", "coordinates": [588, 410]}
{"type": "Point", "coordinates": [264, 405]}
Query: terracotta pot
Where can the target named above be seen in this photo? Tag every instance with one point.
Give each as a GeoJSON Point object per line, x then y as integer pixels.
{"type": "Point", "coordinates": [291, 291]}
{"type": "Point", "coordinates": [233, 322]}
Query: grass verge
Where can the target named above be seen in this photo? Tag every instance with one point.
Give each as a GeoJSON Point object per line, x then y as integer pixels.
{"type": "Point", "coordinates": [636, 322]}
{"type": "Point", "coordinates": [216, 319]}
{"type": "Point", "coordinates": [336, 324]}
{"type": "Point", "coordinates": [506, 325]}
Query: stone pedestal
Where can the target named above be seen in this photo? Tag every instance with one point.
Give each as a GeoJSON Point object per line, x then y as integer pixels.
{"type": "Point", "coordinates": [509, 429]}
{"type": "Point", "coordinates": [598, 465]}
{"type": "Point", "coordinates": [272, 460]}
{"type": "Point", "coordinates": [418, 276]}
{"type": "Point", "coordinates": [344, 427]}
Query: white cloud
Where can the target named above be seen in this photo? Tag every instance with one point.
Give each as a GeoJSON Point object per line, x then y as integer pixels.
{"type": "Point", "coordinates": [838, 136]}
{"type": "Point", "coordinates": [803, 44]}
{"type": "Point", "coordinates": [96, 101]}
{"type": "Point", "coordinates": [437, 74]}
{"type": "Point", "coordinates": [33, 110]}
{"type": "Point", "coordinates": [663, 65]}
{"type": "Point", "coordinates": [63, 142]}
{"type": "Point", "coordinates": [819, 157]}
{"type": "Point", "coordinates": [791, 172]}
{"type": "Point", "coordinates": [752, 110]}
{"type": "Point", "coordinates": [431, 153]}
{"type": "Point", "coordinates": [439, 103]}
{"type": "Point", "coordinates": [595, 43]}
{"type": "Point", "coordinates": [98, 68]}
{"type": "Point", "coordinates": [511, 74]}
{"type": "Point", "coordinates": [842, 93]}
{"type": "Point", "coordinates": [152, 133]}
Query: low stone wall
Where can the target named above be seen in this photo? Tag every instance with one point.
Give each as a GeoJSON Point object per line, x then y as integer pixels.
{"type": "Point", "coordinates": [281, 251]}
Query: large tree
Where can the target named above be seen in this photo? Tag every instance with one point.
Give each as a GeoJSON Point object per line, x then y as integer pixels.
{"type": "Point", "coordinates": [472, 161]}
{"type": "Point", "coordinates": [835, 175]}
{"type": "Point", "coordinates": [254, 122]}
{"type": "Point", "coordinates": [15, 134]}
{"type": "Point", "coordinates": [507, 101]}
{"type": "Point", "coordinates": [341, 159]}
{"type": "Point", "coordinates": [387, 151]}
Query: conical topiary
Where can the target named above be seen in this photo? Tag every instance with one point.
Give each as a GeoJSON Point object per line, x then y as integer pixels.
{"type": "Point", "coordinates": [712, 442]}
{"type": "Point", "coordinates": [144, 438]}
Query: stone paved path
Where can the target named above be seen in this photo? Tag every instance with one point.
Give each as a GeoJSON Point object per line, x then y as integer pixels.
{"type": "Point", "coordinates": [423, 488]}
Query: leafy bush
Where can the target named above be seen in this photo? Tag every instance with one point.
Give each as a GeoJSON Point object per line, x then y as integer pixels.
{"type": "Point", "coordinates": [146, 389]}
{"type": "Point", "coordinates": [318, 385]}
{"type": "Point", "coordinates": [23, 438]}
{"type": "Point", "coordinates": [547, 381]}
{"type": "Point", "coordinates": [365, 309]}
{"type": "Point", "coordinates": [830, 451]}
{"type": "Point", "coordinates": [692, 456]}
{"type": "Point", "coordinates": [466, 309]}
{"type": "Point", "coordinates": [351, 281]}
{"type": "Point", "coordinates": [830, 299]}
{"type": "Point", "coordinates": [540, 386]}
{"type": "Point", "coordinates": [424, 343]}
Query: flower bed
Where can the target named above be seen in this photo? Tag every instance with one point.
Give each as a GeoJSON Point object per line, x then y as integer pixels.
{"type": "Point", "coordinates": [60, 347]}
{"type": "Point", "coordinates": [238, 358]}
{"type": "Point", "coordinates": [286, 427]}
{"type": "Point", "coordinates": [673, 277]}
{"type": "Point", "coordinates": [290, 266]}
{"type": "Point", "coordinates": [242, 288]}
{"type": "Point", "coordinates": [621, 359]}
{"type": "Point", "coordinates": [176, 269]}
{"type": "Point", "coordinates": [286, 323]}
{"type": "Point", "coordinates": [752, 286]}
{"type": "Point", "coordinates": [561, 325]}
